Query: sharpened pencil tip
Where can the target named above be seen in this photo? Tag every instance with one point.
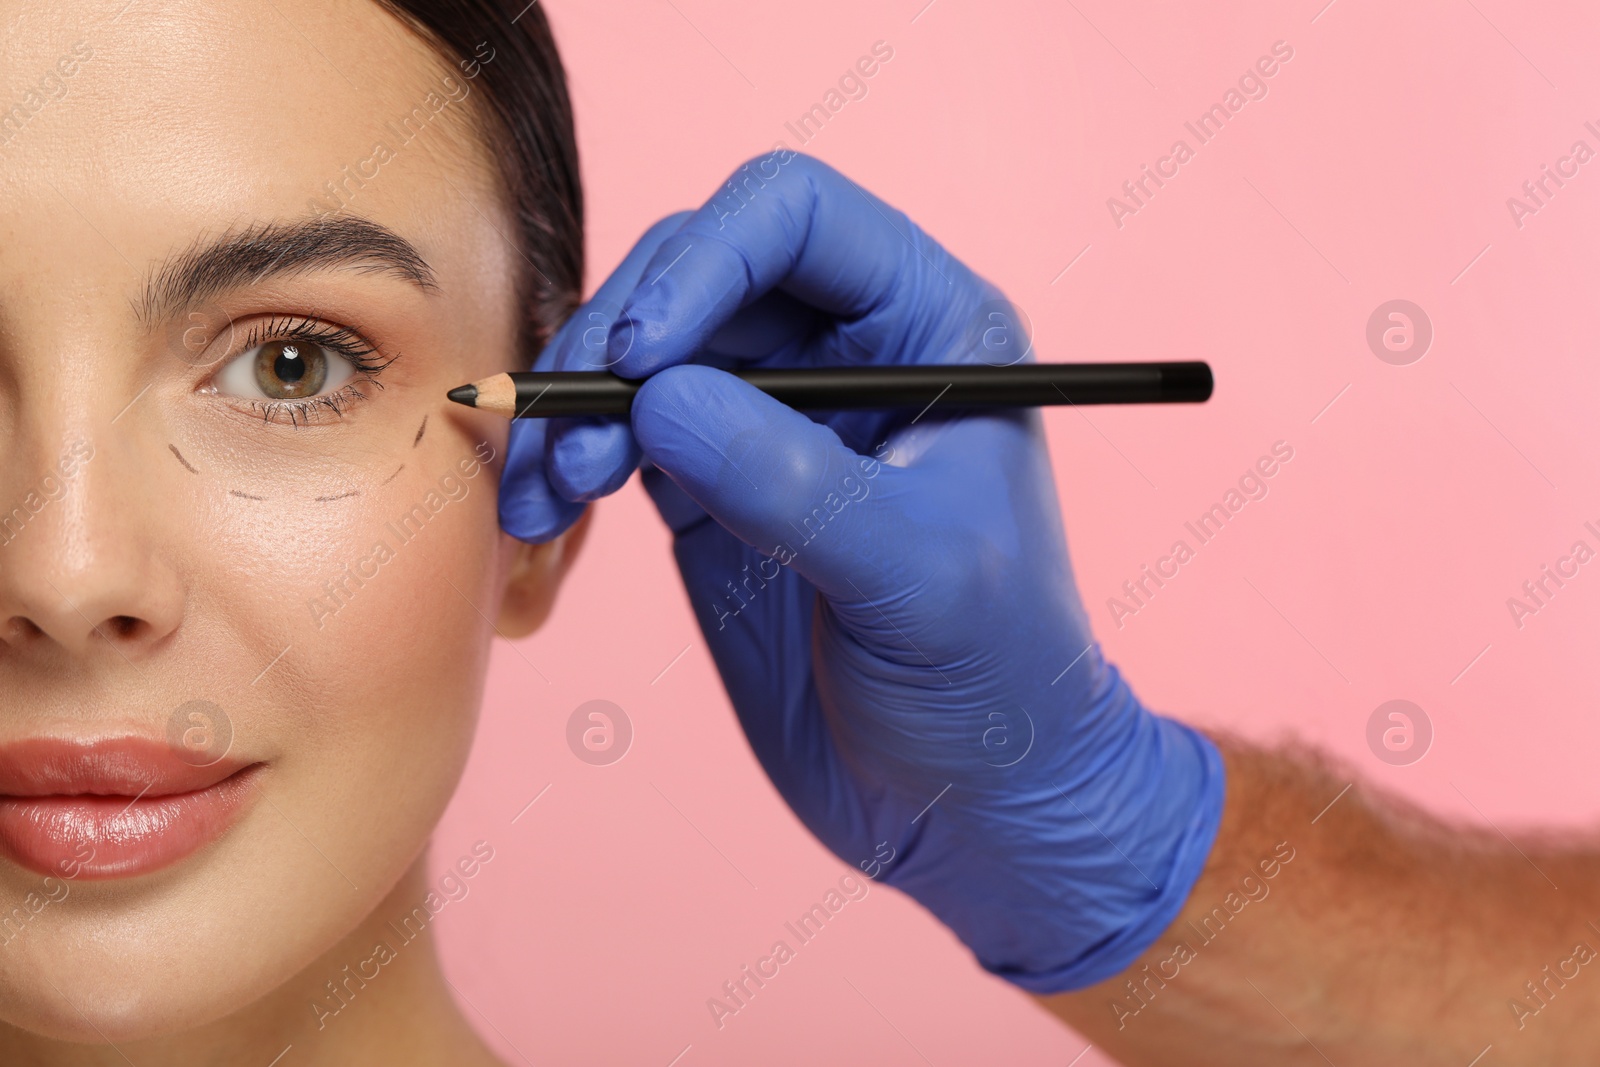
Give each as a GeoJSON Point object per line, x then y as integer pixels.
{"type": "Point", "coordinates": [464, 394]}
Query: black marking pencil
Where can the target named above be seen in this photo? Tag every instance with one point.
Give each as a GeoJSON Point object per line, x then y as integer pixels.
{"type": "Point", "coordinates": [542, 394]}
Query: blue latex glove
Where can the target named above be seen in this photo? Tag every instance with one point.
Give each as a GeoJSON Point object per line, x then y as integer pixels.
{"type": "Point", "coordinates": [886, 594]}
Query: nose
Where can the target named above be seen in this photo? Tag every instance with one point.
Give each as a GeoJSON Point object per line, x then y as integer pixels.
{"type": "Point", "coordinates": [80, 567]}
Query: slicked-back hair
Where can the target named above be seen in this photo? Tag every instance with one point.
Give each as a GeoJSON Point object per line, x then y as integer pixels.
{"type": "Point", "coordinates": [532, 140]}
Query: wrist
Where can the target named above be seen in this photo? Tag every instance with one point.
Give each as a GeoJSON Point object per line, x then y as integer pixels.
{"type": "Point", "coordinates": [1062, 872]}
{"type": "Point", "coordinates": [1154, 847]}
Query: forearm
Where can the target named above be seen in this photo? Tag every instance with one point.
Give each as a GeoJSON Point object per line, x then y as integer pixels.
{"type": "Point", "coordinates": [1363, 932]}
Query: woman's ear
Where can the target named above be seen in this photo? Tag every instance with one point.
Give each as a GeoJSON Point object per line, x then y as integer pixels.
{"type": "Point", "coordinates": [536, 574]}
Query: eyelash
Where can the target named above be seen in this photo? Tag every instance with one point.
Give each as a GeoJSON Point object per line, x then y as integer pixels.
{"type": "Point", "coordinates": [343, 342]}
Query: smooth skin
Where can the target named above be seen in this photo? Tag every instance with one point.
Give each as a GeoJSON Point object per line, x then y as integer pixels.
{"type": "Point", "coordinates": [183, 561]}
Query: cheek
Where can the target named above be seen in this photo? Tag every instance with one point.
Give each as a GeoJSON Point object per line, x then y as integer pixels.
{"type": "Point", "coordinates": [389, 623]}
{"type": "Point", "coordinates": [384, 604]}
{"type": "Point", "coordinates": [398, 590]}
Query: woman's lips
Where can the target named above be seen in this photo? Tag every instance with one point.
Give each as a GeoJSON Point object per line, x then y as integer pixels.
{"type": "Point", "coordinates": [113, 808]}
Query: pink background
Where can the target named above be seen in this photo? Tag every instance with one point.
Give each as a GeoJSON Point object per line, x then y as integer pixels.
{"type": "Point", "coordinates": [1378, 567]}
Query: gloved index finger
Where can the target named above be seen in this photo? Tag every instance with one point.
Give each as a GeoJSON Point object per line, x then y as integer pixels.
{"type": "Point", "coordinates": [786, 221]}
{"type": "Point", "coordinates": [554, 465]}
{"type": "Point", "coordinates": [582, 342]}
{"type": "Point", "coordinates": [588, 458]}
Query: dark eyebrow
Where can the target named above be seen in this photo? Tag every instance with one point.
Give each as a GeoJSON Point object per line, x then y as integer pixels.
{"type": "Point", "coordinates": [248, 256]}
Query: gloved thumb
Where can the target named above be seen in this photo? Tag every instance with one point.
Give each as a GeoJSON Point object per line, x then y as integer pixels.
{"type": "Point", "coordinates": [778, 481]}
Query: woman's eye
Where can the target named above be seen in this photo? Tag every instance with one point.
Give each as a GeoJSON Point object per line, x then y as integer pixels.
{"type": "Point", "coordinates": [284, 370]}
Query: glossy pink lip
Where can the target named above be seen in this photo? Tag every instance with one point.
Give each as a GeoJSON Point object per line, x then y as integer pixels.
{"type": "Point", "coordinates": [114, 808]}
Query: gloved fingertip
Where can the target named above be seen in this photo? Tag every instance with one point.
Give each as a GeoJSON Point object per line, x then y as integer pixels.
{"type": "Point", "coordinates": [688, 290]}
{"type": "Point", "coordinates": [534, 516]}
{"type": "Point", "coordinates": [635, 344]}
{"type": "Point", "coordinates": [529, 507]}
{"type": "Point", "coordinates": [586, 459]}
{"type": "Point", "coordinates": [524, 452]}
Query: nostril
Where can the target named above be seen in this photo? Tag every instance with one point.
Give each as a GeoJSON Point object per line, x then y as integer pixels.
{"type": "Point", "coordinates": [21, 628]}
{"type": "Point", "coordinates": [124, 625]}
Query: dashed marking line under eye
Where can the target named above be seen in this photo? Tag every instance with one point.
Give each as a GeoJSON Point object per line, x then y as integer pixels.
{"type": "Point", "coordinates": [247, 496]}
{"type": "Point", "coordinates": [395, 475]}
{"type": "Point", "coordinates": [187, 466]}
{"type": "Point", "coordinates": [418, 439]}
{"type": "Point", "coordinates": [341, 496]}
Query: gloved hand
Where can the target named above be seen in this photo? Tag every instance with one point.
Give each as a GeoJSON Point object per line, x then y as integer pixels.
{"type": "Point", "coordinates": [886, 594]}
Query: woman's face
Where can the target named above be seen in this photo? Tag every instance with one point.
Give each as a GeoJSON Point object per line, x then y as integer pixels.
{"type": "Point", "coordinates": [245, 248]}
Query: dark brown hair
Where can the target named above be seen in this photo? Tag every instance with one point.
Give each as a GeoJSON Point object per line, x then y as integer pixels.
{"type": "Point", "coordinates": [508, 51]}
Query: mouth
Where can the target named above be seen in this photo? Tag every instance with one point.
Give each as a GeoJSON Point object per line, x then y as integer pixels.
{"type": "Point", "coordinates": [113, 808]}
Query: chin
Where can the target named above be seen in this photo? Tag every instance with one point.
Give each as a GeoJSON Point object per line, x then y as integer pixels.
{"type": "Point", "coordinates": [100, 997]}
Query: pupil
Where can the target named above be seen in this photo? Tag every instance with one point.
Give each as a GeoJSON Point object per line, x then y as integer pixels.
{"type": "Point", "coordinates": [289, 367]}
{"type": "Point", "coordinates": [289, 370]}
